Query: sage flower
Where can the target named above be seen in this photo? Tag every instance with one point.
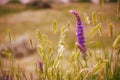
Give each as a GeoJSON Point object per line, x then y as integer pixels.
{"type": "Point", "coordinates": [79, 33]}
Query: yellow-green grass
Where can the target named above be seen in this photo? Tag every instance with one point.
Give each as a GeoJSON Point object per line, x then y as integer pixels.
{"type": "Point", "coordinates": [27, 21]}
{"type": "Point", "coordinates": [30, 20]}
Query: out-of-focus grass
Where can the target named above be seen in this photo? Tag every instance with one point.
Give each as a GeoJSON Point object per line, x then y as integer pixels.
{"type": "Point", "coordinates": [27, 21]}
{"type": "Point", "coordinates": [30, 20]}
{"type": "Point", "coordinates": [11, 8]}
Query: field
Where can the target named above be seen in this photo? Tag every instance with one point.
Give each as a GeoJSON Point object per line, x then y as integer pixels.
{"type": "Point", "coordinates": [102, 62]}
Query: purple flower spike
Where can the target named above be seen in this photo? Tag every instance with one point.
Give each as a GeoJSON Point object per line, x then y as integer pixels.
{"type": "Point", "coordinates": [80, 33]}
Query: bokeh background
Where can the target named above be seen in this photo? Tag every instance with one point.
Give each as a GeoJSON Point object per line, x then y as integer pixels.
{"type": "Point", "coordinates": [21, 18]}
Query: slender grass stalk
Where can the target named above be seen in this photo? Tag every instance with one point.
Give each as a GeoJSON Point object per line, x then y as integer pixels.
{"type": "Point", "coordinates": [54, 25]}
{"type": "Point", "coordinates": [10, 36]}
{"type": "Point", "coordinates": [94, 18]}
{"type": "Point", "coordinates": [101, 3]}
{"type": "Point", "coordinates": [31, 43]}
{"type": "Point", "coordinates": [100, 17]}
{"type": "Point", "coordinates": [110, 29]}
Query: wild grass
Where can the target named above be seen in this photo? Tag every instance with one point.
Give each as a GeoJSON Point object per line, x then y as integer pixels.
{"type": "Point", "coordinates": [58, 62]}
{"type": "Point", "coordinates": [30, 20]}
{"type": "Point", "coordinates": [54, 64]}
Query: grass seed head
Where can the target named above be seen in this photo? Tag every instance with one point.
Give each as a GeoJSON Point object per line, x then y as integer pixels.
{"type": "Point", "coordinates": [116, 42]}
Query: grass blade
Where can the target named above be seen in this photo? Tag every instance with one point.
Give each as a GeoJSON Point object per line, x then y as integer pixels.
{"type": "Point", "coordinates": [116, 42]}
{"type": "Point", "coordinates": [98, 66]}
{"type": "Point", "coordinates": [54, 27]}
{"type": "Point", "coordinates": [96, 28]}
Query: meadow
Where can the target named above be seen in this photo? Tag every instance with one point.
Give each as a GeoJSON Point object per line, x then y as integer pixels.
{"type": "Point", "coordinates": [52, 31]}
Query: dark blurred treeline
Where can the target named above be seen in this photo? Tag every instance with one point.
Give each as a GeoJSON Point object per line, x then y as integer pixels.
{"type": "Point", "coordinates": [18, 1]}
{"type": "Point", "coordinates": [36, 4]}
{"type": "Point", "coordinates": [98, 0]}
{"type": "Point", "coordinates": [2, 2]}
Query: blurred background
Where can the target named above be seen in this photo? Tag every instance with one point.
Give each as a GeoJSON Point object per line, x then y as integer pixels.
{"type": "Point", "coordinates": [23, 17]}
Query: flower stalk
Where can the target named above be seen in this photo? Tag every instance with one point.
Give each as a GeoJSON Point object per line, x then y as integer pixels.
{"type": "Point", "coordinates": [80, 33]}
